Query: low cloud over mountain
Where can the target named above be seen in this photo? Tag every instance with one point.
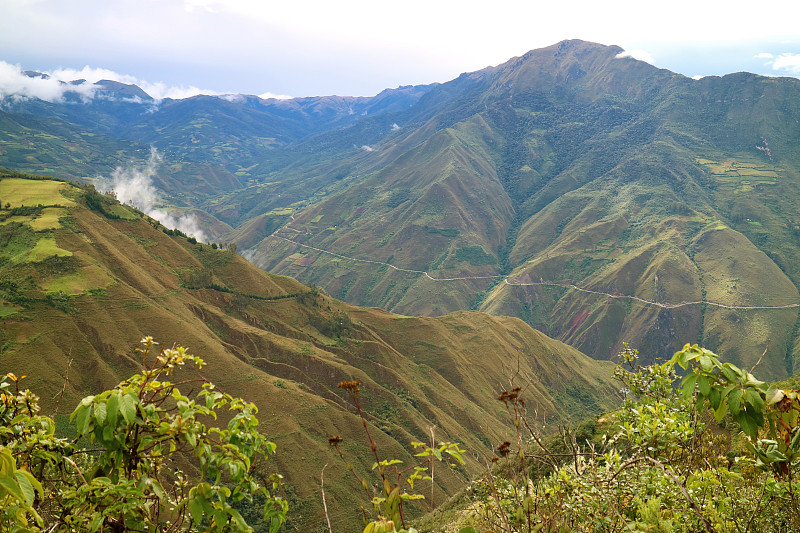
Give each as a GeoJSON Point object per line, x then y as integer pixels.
{"type": "Point", "coordinates": [53, 86]}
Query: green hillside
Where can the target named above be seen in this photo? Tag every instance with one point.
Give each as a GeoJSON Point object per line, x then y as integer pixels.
{"type": "Point", "coordinates": [84, 279]}
{"type": "Point", "coordinates": [670, 201]}
{"type": "Point", "coordinates": [593, 196]}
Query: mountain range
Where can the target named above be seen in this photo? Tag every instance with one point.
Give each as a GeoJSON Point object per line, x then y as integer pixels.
{"type": "Point", "coordinates": [596, 197]}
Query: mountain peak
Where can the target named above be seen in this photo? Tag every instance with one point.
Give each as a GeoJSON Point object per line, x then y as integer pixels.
{"type": "Point", "coordinates": [124, 90]}
{"type": "Point", "coordinates": [575, 64]}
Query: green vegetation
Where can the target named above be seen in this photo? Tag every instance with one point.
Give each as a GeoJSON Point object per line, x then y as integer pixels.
{"type": "Point", "coordinates": [622, 202]}
{"type": "Point", "coordinates": [286, 346]}
{"type": "Point", "coordinates": [140, 435]}
{"type": "Point", "coordinates": [20, 192]}
{"type": "Point", "coordinates": [669, 459]}
{"type": "Point", "coordinates": [276, 343]}
{"type": "Point", "coordinates": [568, 165]}
{"type": "Point", "coordinates": [475, 256]}
{"type": "Point", "coordinates": [719, 453]}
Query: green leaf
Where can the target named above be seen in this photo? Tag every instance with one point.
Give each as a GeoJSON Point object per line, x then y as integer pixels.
{"type": "Point", "coordinates": [12, 488]}
{"type": "Point", "coordinates": [25, 487]}
{"type": "Point", "coordinates": [703, 385]}
{"type": "Point", "coordinates": [720, 411]}
{"type": "Point", "coordinates": [112, 408]}
{"type": "Point", "coordinates": [127, 406]}
{"type": "Point", "coordinates": [714, 398]}
{"type": "Point", "coordinates": [746, 425]}
{"type": "Point", "coordinates": [687, 387]}
{"type": "Point", "coordinates": [729, 373]}
{"type": "Point", "coordinates": [752, 397]}
{"type": "Point", "coordinates": [81, 415]}
{"type": "Point", "coordinates": [734, 399]}
{"type": "Point", "coordinates": [97, 521]}
{"type": "Point", "coordinates": [795, 440]}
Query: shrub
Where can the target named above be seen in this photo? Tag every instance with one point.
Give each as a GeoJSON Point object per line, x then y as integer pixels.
{"type": "Point", "coordinates": [129, 479]}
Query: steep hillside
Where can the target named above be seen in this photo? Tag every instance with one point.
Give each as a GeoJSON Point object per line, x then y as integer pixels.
{"type": "Point", "coordinates": [85, 278]}
{"type": "Point", "coordinates": [671, 200]}
{"type": "Point", "coordinates": [597, 197]}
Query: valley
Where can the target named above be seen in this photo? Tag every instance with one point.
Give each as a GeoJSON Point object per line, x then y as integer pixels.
{"type": "Point", "coordinates": [520, 225]}
{"type": "Point", "coordinates": [594, 196]}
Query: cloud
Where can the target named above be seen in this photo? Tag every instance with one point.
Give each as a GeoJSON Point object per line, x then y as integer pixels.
{"type": "Point", "coordinates": [641, 55]}
{"type": "Point", "coordinates": [367, 148]}
{"type": "Point", "coordinates": [157, 90]}
{"type": "Point", "coordinates": [15, 84]}
{"type": "Point", "coordinates": [787, 62]}
{"type": "Point", "coordinates": [191, 6]}
{"type": "Point", "coordinates": [395, 127]}
{"type": "Point", "coordinates": [269, 96]}
{"type": "Point", "coordinates": [55, 84]}
{"type": "Point", "coordinates": [134, 186]}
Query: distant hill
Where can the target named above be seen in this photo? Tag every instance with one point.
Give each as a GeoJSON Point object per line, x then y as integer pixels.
{"type": "Point", "coordinates": [596, 197]}
{"type": "Point", "coordinates": [85, 278]}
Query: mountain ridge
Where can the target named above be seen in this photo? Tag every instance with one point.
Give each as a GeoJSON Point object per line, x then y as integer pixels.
{"type": "Point", "coordinates": [571, 164]}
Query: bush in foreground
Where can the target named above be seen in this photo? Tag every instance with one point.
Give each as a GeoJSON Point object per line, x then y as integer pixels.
{"type": "Point", "coordinates": [123, 471]}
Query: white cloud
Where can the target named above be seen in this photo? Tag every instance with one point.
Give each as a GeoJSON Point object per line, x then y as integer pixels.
{"type": "Point", "coordinates": [763, 55]}
{"type": "Point", "coordinates": [157, 90]}
{"type": "Point", "coordinates": [52, 87]}
{"type": "Point", "coordinates": [395, 127]}
{"type": "Point", "coordinates": [641, 55]}
{"type": "Point", "coordinates": [269, 96]}
{"type": "Point", "coordinates": [15, 84]}
{"type": "Point", "coordinates": [367, 148]}
{"type": "Point", "coordinates": [787, 62]}
{"type": "Point", "coordinates": [359, 47]}
{"type": "Point", "coordinates": [191, 6]}
{"type": "Point", "coordinates": [134, 186]}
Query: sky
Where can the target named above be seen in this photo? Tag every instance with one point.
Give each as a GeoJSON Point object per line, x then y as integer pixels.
{"type": "Point", "coordinates": [178, 48]}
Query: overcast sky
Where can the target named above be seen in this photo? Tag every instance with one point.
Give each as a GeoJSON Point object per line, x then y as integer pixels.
{"type": "Point", "coordinates": [353, 47]}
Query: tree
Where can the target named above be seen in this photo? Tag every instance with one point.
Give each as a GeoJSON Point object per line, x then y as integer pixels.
{"type": "Point", "coordinates": [140, 437]}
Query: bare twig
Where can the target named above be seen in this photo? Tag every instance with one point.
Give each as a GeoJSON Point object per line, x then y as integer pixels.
{"type": "Point", "coordinates": [78, 470]}
{"type": "Point", "coordinates": [496, 497]}
{"type": "Point", "coordinates": [63, 387]}
{"type": "Point", "coordinates": [324, 503]}
{"type": "Point", "coordinates": [760, 358]}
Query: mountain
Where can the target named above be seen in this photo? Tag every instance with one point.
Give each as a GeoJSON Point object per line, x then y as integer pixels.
{"type": "Point", "coordinates": [596, 197]}
{"type": "Point", "coordinates": [84, 278]}
{"type": "Point", "coordinates": [593, 195]}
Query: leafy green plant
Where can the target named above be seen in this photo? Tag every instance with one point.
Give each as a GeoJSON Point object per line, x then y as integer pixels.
{"type": "Point", "coordinates": [142, 434]}
{"type": "Point", "coordinates": [657, 464]}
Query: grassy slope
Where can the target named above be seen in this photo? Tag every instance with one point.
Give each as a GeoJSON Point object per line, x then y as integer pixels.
{"type": "Point", "coordinates": [590, 169]}
{"type": "Point", "coordinates": [568, 164]}
{"type": "Point", "coordinates": [266, 338]}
